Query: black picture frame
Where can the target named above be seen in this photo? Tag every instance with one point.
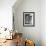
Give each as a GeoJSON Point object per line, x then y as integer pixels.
{"type": "Point", "coordinates": [28, 19]}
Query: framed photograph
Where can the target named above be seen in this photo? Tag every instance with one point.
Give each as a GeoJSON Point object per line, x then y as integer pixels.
{"type": "Point", "coordinates": [28, 19]}
{"type": "Point", "coordinates": [13, 22]}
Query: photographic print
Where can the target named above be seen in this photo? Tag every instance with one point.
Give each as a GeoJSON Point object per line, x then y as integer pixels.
{"type": "Point", "coordinates": [28, 19]}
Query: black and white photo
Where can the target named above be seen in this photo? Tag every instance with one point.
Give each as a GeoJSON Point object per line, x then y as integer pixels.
{"type": "Point", "coordinates": [28, 19]}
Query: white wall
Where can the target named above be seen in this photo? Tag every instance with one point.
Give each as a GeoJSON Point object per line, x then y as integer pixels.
{"type": "Point", "coordinates": [6, 13]}
{"type": "Point", "coordinates": [32, 33]}
{"type": "Point", "coordinates": [43, 22]}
